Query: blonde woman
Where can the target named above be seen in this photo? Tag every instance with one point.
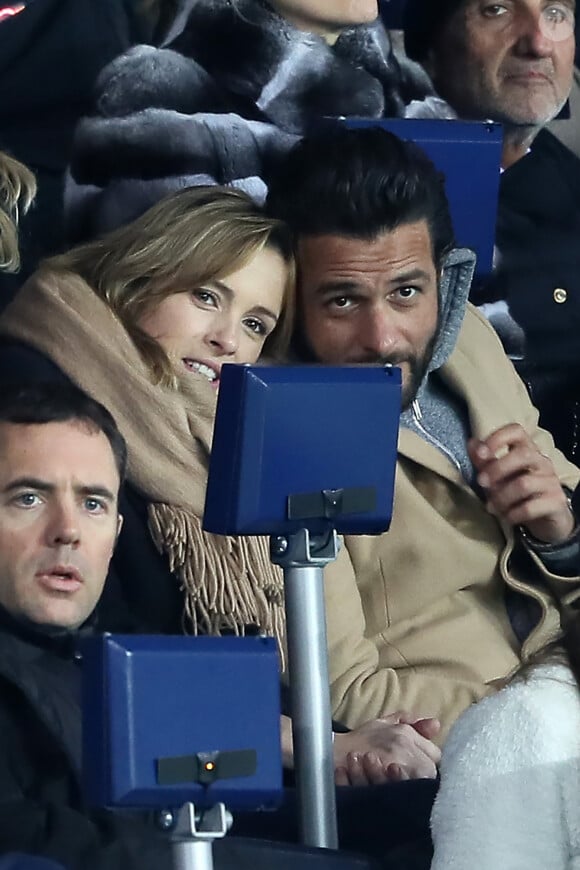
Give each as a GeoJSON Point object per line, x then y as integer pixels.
{"type": "Point", "coordinates": [17, 190]}
{"type": "Point", "coordinates": [143, 320]}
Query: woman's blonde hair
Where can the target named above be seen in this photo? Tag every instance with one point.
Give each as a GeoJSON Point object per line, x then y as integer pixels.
{"type": "Point", "coordinates": [186, 240]}
{"type": "Point", "coordinates": [17, 190]}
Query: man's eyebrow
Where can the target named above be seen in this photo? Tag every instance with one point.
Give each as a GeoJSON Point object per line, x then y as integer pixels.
{"type": "Point", "coordinates": [97, 489]}
{"type": "Point", "coordinates": [29, 483]}
{"type": "Point", "coordinates": [338, 286]}
{"type": "Point", "coordinates": [409, 277]}
{"type": "Point", "coordinates": [44, 486]}
{"type": "Point", "coordinates": [348, 286]}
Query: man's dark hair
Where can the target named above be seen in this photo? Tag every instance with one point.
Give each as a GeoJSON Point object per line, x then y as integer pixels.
{"type": "Point", "coordinates": [27, 404]}
{"type": "Point", "coordinates": [360, 183]}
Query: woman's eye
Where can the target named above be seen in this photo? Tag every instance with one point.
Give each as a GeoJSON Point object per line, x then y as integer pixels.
{"type": "Point", "coordinates": [255, 325]}
{"type": "Point", "coordinates": [205, 296]}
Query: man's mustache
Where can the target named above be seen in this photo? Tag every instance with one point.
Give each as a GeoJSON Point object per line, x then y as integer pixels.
{"type": "Point", "coordinates": [524, 69]}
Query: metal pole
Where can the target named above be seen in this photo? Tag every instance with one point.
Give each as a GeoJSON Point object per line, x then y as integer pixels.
{"type": "Point", "coordinates": [193, 855]}
{"type": "Point", "coordinates": [194, 834]}
{"type": "Point", "coordinates": [309, 683]}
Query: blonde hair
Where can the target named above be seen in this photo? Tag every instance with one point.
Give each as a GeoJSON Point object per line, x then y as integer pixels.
{"type": "Point", "coordinates": [17, 190]}
{"type": "Point", "coordinates": [186, 240]}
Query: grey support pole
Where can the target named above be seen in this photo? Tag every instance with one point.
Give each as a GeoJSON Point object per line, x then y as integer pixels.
{"type": "Point", "coordinates": [303, 559]}
{"type": "Point", "coordinates": [194, 834]}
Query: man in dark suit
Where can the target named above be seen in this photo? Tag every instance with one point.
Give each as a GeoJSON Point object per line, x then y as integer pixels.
{"type": "Point", "coordinates": [62, 462]}
{"type": "Point", "coordinates": [513, 62]}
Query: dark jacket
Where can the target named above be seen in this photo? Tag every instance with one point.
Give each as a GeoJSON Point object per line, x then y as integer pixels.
{"type": "Point", "coordinates": [227, 97]}
{"type": "Point", "coordinates": [538, 276]}
{"type": "Point", "coordinates": [41, 806]}
{"type": "Point", "coordinates": [42, 811]}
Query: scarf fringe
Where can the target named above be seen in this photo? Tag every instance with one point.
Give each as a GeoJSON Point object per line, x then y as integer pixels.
{"type": "Point", "coordinates": [229, 583]}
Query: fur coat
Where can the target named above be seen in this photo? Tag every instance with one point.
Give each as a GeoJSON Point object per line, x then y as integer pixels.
{"type": "Point", "coordinates": [510, 780]}
{"type": "Point", "coordinates": [231, 91]}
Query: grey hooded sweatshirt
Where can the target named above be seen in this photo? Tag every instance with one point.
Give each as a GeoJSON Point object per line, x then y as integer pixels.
{"type": "Point", "coordinates": [436, 414]}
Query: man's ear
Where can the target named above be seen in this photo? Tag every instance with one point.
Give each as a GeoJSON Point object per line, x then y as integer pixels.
{"type": "Point", "coordinates": [119, 526]}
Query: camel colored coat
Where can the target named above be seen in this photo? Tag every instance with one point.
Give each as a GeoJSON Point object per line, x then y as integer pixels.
{"type": "Point", "coordinates": [416, 617]}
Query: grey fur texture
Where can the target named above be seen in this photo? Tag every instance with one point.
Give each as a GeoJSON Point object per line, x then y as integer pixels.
{"type": "Point", "coordinates": [222, 102]}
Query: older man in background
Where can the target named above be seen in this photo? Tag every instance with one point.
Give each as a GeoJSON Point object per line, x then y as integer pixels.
{"type": "Point", "coordinates": [513, 62]}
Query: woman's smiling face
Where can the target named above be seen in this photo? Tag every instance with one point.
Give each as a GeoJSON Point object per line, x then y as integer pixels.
{"type": "Point", "coordinates": [226, 320]}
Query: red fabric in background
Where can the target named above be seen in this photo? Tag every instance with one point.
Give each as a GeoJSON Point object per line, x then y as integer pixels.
{"type": "Point", "coordinates": [9, 11]}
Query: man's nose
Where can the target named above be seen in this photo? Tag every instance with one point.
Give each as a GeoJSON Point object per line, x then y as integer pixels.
{"type": "Point", "coordinates": [223, 337]}
{"type": "Point", "coordinates": [379, 333]}
{"type": "Point", "coordinates": [63, 528]}
{"type": "Point", "coordinates": [537, 33]}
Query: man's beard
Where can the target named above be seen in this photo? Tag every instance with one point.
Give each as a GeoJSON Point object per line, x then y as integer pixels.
{"type": "Point", "coordinates": [417, 370]}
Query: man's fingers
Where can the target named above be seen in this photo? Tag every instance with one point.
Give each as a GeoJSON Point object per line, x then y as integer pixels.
{"type": "Point", "coordinates": [341, 776]}
{"type": "Point", "coordinates": [428, 728]}
{"type": "Point", "coordinates": [374, 769]}
{"type": "Point", "coordinates": [525, 487]}
{"type": "Point", "coordinates": [409, 741]}
{"type": "Point", "coordinates": [394, 772]}
{"type": "Point", "coordinates": [356, 770]}
{"type": "Point", "coordinates": [397, 773]}
{"type": "Point", "coordinates": [519, 462]}
{"type": "Point", "coordinates": [397, 717]}
{"type": "Point", "coordinates": [431, 751]}
{"type": "Point", "coordinates": [422, 747]}
{"type": "Point", "coordinates": [367, 751]}
{"type": "Point", "coordinates": [528, 499]}
{"type": "Point", "coordinates": [497, 445]}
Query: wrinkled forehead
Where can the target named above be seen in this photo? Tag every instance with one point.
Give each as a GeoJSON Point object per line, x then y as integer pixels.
{"type": "Point", "coordinates": [57, 451]}
{"type": "Point", "coordinates": [329, 257]}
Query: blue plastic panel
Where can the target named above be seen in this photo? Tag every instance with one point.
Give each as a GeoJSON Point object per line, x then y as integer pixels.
{"type": "Point", "coordinates": [291, 430]}
{"type": "Point", "coordinates": [469, 154]}
{"type": "Point", "coordinates": [146, 698]}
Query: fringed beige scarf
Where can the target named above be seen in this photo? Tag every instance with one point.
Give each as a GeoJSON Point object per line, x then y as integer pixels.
{"type": "Point", "coordinates": [229, 583]}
